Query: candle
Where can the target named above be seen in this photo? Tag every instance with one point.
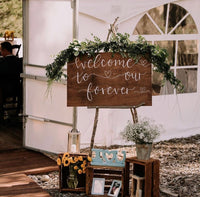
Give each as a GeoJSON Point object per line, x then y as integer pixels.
{"type": "Point", "coordinates": [73, 148]}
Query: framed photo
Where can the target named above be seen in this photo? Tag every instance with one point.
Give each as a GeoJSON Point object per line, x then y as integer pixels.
{"type": "Point", "coordinates": [98, 186]}
{"type": "Point", "coordinates": [115, 188]}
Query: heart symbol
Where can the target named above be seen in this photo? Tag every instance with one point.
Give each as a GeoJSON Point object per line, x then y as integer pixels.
{"type": "Point", "coordinates": [109, 156]}
{"type": "Point", "coordinates": [107, 73]}
{"type": "Point", "coordinates": [143, 62]}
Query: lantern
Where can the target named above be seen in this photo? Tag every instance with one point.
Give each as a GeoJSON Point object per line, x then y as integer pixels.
{"type": "Point", "coordinates": [74, 141]}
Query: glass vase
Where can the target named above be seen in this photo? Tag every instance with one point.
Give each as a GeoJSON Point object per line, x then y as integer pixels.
{"type": "Point", "coordinates": [72, 179]}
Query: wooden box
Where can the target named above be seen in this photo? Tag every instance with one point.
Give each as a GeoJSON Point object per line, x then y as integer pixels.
{"type": "Point", "coordinates": [64, 173]}
{"type": "Point", "coordinates": [149, 169]}
{"type": "Point", "coordinates": [110, 173]}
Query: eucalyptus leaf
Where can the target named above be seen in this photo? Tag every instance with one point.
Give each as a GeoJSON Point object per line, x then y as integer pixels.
{"type": "Point", "coordinates": [119, 43]}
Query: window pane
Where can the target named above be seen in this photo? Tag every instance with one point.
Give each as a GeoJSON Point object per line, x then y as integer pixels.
{"type": "Point", "coordinates": [176, 13]}
{"type": "Point", "coordinates": [188, 77]}
{"type": "Point", "coordinates": [170, 47]}
{"type": "Point", "coordinates": [159, 16]}
{"type": "Point", "coordinates": [145, 26]}
{"type": "Point", "coordinates": [158, 88]}
{"type": "Point", "coordinates": [186, 27]}
{"type": "Point", "coordinates": [157, 80]}
{"type": "Point", "coordinates": [167, 88]}
{"type": "Point", "coordinates": [187, 53]}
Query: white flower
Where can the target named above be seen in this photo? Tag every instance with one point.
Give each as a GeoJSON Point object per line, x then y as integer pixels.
{"type": "Point", "coordinates": [144, 131]}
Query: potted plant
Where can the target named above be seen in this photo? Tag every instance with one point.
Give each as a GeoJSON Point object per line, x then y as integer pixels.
{"type": "Point", "coordinates": [142, 133]}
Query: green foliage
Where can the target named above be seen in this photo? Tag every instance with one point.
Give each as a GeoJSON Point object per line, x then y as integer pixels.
{"type": "Point", "coordinates": [11, 17]}
{"type": "Point", "coordinates": [143, 132]}
{"type": "Point", "coordinates": [119, 43]}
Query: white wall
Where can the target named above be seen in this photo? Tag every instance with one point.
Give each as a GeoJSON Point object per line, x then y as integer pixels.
{"type": "Point", "coordinates": [48, 30]}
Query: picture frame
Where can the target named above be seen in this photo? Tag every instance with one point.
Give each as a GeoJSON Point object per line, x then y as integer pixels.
{"type": "Point", "coordinates": [98, 186]}
{"type": "Point", "coordinates": [115, 188]}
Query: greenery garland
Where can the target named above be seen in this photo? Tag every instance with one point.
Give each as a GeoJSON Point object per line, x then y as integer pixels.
{"type": "Point", "coordinates": [118, 43]}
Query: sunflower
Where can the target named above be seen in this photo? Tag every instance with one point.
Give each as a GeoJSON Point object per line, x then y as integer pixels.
{"type": "Point", "coordinates": [76, 159]}
{"type": "Point", "coordinates": [80, 171]}
{"type": "Point", "coordinates": [66, 155]}
{"type": "Point", "coordinates": [80, 158]}
{"type": "Point", "coordinates": [82, 165]}
{"type": "Point", "coordinates": [89, 158]}
{"type": "Point", "coordinates": [71, 160]}
{"type": "Point", "coordinates": [59, 161]}
{"type": "Point", "coordinates": [84, 170]}
{"type": "Point", "coordinates": [75, 167]}
{"type": "Point", "coordinates": [78, 163]}
{"type": "Point", "coordinates": [68, 162]}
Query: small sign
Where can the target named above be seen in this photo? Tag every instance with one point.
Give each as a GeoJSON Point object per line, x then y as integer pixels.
{"type": "Point", "coordinates": [108, 158]}
{"type": "Point", "coordinates": [108, 80]}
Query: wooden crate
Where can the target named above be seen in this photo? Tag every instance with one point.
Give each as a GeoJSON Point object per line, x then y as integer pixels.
{"type": "Point", "coordinates": [110, 173]}
{"type": "Point", "coordinates": [64, 173]}
{"type": "Point", "coordinates": [149, 169]}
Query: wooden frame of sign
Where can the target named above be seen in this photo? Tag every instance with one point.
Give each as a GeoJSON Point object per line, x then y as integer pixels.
{"type": "Point", "coordinates": [108, 80]}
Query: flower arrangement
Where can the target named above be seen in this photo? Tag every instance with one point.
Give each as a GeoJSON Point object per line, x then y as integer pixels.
{"type": "Point", "coordinates": [142, 132]}
{"type": "Point", "coordinates": [118, 43]}
{"type": "Point", "coordinates": [78, 163]}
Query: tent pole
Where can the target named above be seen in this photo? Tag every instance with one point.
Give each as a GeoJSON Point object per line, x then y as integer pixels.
{"type": "Point", "coordinates": [75, 7]}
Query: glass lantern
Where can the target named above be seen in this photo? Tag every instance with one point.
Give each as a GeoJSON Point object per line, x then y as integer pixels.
{"type": "Point", "coordinates": [73, 141]}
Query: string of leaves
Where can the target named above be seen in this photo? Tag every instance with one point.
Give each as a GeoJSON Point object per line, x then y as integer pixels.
{"type": "Point", "coordinates": [118, 43]}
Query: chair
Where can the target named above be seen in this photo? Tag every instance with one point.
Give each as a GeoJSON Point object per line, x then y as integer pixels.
{"type": "Point", "coordinates": [17, 47]}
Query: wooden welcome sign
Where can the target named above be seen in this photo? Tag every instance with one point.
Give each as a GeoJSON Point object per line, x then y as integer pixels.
{"type": "Point", "coordinates": [108, 80]}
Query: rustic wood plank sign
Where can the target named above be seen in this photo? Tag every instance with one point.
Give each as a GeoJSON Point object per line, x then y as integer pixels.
{"type": "Point", "coordinates": [108, 80]}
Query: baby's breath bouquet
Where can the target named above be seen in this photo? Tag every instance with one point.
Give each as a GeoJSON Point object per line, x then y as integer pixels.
{"type": "Point", "coordinates": [143, 132]}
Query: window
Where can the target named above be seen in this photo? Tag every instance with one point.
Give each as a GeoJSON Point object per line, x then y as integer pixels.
{"type": "Point", "coordinates": [172, 27]}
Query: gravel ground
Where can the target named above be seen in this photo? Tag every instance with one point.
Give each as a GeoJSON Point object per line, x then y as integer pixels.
{"type": "Point", "coordinates": [179, 169]}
